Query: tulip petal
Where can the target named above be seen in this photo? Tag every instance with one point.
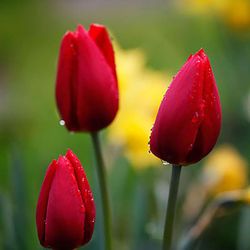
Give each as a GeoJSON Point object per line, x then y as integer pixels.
{"type": "Point", "coordinates": [97, 99]}
{"type": "Point", "coordinates": [87, 195]}
{"type": "Point", "coordinates": [65, 210]}
{"type": "Point", "coordinates": [66, 90]}
{"type": "Point", "coordinates": [101, 37]}
{"type": "Point", "coordinates": [41, 209]}
{"type": "Point", "coordinates": [210, 127]}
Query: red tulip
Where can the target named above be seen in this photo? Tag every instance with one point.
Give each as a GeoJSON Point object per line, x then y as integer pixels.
{"type": "Point", "coordinates": [65, 214]}
{"type": "Point", "coordinates": [189, 118]}
{"type": "Point", "coordinates": [86, 84]}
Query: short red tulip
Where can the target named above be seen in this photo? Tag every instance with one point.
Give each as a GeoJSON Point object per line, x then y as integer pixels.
{"type": "Point", "coordinates": [86, 84]}
{"type": "Point", "coordinates": [189, 118]}
{"type": "Point", "coordinates": [65, 214]}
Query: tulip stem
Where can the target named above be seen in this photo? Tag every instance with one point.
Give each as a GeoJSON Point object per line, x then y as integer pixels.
{"type": "Point", "coordinates": [169, 221]}
{"type": "Point", "coordinates": [103, 189]}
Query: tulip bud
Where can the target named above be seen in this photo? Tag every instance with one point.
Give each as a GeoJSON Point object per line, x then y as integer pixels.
{"type": "Point", "coordinates": [86, 84]}
{"type": "Point", "coordinates": [189, 118]}
{"type": "Point", "coordinates": [65, 214]}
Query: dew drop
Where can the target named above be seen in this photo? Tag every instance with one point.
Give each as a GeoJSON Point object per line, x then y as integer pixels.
{"type": "Point", "coordinates": [62, 122]}
{"type": "Point", "coordinates": [165, 163]}
{"type": "Point", "coordinates": [213, 96]}
{"type": "Point", "coordinates": [82, 209]}
{"type": "Point", "coordinates": [195, 117]}
{"type": "Point", "coordinates": [203, 104]}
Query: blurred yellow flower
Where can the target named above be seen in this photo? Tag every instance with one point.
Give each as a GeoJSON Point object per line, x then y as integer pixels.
{"type": "Point", "coordinates": [204, 6]}
{"type": "Point", "coordinates": [246, 195]}
{"type": "Point", "coordinates": [235, 13]}
{"type": "Point", "coordinates": [141, 90]}
{"type": "Point", "coordinates": [224, 170]}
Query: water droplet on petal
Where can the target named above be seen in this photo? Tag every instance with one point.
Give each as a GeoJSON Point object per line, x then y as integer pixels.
{"type": "Point", "coordinates": [82, 208]}
{"type": "Point", "coordinates": [195, 117]}
{"type": "Point", "coordinates": [165, 163]}
{"type": "Point", "coordinates": [62, 122]}
{"type": "Point", "coordinates": [190, 147]}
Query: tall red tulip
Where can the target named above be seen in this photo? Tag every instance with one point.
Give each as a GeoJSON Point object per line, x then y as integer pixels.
{"type": "Point", "coordinates": [189, 118]}
{"type": "Point", "coordinates": [86, 84]}
{"type": "Point", "coordinates": [65, 214]}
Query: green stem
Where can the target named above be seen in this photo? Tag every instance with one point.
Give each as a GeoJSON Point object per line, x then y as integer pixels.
{"type": "Point", "coordinates": [169, 222]}
{"type": "Point", "coordinates": [104, 190]}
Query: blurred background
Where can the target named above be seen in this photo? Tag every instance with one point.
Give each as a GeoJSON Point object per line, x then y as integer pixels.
{"type": "Point", "coordinates": [152, 40]}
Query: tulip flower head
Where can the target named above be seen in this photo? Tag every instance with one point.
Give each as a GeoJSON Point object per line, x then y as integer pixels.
{"type": "Point", "coordinates": [86, 84]}
{"type": "Point", "coordinates": [65, 214]}
{"type": "Point", "coordinates": [189, 118]}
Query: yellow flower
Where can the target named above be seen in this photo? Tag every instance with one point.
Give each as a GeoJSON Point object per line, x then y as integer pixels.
{"type": "Point", "coordinates": [246, 195]}
{"type": "Point", "coordinates": [224, 170]}
{"type": "Point", "coordinates": [224, 173]}
{"type": "Point", "coordinates": [235, 13]}
{"type": "Point", "coordinates": [204, 6]}
{"type": "Point", "coordinates": [141, 90]}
